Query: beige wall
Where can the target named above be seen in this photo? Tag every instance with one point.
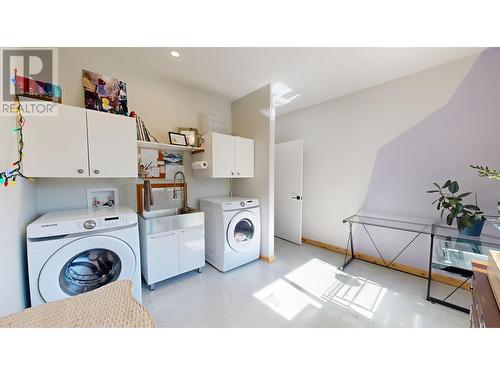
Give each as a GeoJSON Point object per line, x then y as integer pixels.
{"type": "Point", "coordinates": [18, 205]}
{"type": "Point", "coordinates": [342, 137]}
{"type": "Point", "coordinates": [253, 118]}
{"type": "Point", "coordinates": [163, 105]}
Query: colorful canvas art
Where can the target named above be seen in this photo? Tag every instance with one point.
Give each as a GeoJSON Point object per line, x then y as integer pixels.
{"type": "Point", "coordinates": [37, 89]}
{"type": "Point", "coordinates": [104, 94]}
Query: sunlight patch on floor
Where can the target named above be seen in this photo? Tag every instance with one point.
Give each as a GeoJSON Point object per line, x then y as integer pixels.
{"type": "Point", "coordinates": [285, 299]}
{"type": "Point", "coordinates": [326, 282]}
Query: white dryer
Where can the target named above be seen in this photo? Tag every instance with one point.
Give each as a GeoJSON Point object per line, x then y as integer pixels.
{"type": "Point", "coordinates": [232, 231]}
{"type": "Point", "coordinates": [76, 251]}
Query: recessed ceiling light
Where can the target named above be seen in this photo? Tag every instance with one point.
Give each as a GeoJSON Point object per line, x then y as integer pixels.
{"type": "Point", "coordinates": [175, 54]}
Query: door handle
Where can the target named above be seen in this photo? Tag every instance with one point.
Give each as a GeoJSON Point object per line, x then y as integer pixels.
{"type": "Point", "coordinates": [297, 197]}
{"type": "Point", "coordinates": [80, 171]}
{"type": "Point", "coordinates": [97, 171]}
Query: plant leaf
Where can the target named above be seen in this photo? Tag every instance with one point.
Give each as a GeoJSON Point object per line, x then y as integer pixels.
{"type": "Point", "coordinates": [446, 184]}
{"type": "Point", "coordinates": [449, 219]}
{"type": "Point", "coordinates": [453, 187]}
{"type": "Point", "coordinates": [463, 195]}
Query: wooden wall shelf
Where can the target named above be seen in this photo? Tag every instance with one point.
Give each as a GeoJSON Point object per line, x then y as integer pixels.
{"type": "Point", "coordinates": [167, 147]}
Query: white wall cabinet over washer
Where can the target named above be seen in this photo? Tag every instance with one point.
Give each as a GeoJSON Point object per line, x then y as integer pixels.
{"type": "Point", "coordinates": [227, 156]}
{"type": "Point", "coordinates": [80, 143]}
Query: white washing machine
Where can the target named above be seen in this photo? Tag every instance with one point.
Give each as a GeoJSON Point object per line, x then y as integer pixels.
{"type": "Point", "coordinates": [76, 251]}
{"type": "Point", "coordinates": [232, 231]}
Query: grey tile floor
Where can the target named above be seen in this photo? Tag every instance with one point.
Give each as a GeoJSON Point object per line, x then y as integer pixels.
{"type": "Point", "coordinates": [302, 288]}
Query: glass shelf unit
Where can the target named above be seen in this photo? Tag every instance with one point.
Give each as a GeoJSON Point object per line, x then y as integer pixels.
{"type": "Point", "coordinates": [450, 250]}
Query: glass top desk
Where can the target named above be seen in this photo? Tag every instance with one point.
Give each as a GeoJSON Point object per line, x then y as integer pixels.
{"type": "Point", "coordinates": [449, 251]}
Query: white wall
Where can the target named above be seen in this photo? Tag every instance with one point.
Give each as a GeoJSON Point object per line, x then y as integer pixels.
{"type": "Point", "coordinates": [342, 138]}
{"type": "Point", "coordinates": [163, 105]}
{"type": "Point", "coordinates": [252, 117]}
{"type": "Point", "coordinates": [18, 207]}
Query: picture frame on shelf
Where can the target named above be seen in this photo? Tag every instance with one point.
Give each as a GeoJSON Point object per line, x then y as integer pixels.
{"type": "Point", "coordinates": [177, 139]}
{"type": "Point", "coordinates": [193, 137]}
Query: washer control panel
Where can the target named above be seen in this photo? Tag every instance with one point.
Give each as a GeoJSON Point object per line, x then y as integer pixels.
{"type": "Point", "coordinates": [59, 223]}
{"type": "Point", "coordinates": [89, 224]}
{"type": "Point", "coordinates": [239, 204]}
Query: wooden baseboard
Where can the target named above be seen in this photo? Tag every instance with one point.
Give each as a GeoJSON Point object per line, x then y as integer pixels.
{"type": "Point", "coordinates": [323, 245]}
{"type": "Point", "coordinates": [397, 266]}
{"type": "Point", "coordinates": [268, 259]}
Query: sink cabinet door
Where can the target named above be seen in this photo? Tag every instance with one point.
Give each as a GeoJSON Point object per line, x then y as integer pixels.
{"type": "Point", "coordinates": [163, 256]}
{"type": "Point", "coordinates": [191, 248]}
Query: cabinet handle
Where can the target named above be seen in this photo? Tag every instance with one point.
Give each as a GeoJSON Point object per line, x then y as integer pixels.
{"type": "Point", "coordinates": [97, 171]}
{"type": "Point", "coordinates": [238, 173]}
{"type": "Point", "coordinates": [232, 173]}
{"type": "Point", "coordinates": [80, 171]}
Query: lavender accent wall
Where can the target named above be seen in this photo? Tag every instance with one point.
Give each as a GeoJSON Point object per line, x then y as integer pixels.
{"type": "Point", "coordinates": [465, 131]}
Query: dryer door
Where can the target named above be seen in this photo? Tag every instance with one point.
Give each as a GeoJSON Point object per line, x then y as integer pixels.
{"type": "Point", "coordinates": [85, 264]}
{"type": "Point", "coordinates": [242, 231]}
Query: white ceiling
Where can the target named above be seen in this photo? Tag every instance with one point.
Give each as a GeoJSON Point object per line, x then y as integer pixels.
{"type": "Point", "coordinates": [316, 74]}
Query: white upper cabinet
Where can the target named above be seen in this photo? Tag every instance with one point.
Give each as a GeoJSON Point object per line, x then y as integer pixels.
{"type": "Point", "coordinates": [227, 157]}
{"type": "Point", "coordinates": [222, 155]}
{"type": "Point", "coordinates": [76, 142]}
{"type": "Point", "coordinates": [56, 146]}
{"type": "Point", "coordinates": [243, 157]}
{"type": "Point", "coordinates": [112, 145]}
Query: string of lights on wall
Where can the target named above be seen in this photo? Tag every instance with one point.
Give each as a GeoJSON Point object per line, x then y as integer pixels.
{"type": "Point", "coordinates": [9, 176]}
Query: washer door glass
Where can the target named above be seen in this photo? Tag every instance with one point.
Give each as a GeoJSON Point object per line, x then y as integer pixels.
{"type": "Point", "coordinates": [89, 270]}
{"type": "Point", "coordinates": [242, 231]}
{"type": "Point", "coordinates": [85, 264]}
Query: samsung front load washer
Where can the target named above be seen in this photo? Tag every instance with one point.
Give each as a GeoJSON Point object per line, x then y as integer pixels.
{"type": "Point", "coordinates": [232, 231]}
{"type": "Point", "coordinates": [76, 251]}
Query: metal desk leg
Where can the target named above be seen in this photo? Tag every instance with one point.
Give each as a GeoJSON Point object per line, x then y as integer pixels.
{"type": "Point", "coordinates": [350, 244]}
{"type": "Point", "coordinates": [429, 275]}
{"type": "Point", "coordinates": [429, 280]}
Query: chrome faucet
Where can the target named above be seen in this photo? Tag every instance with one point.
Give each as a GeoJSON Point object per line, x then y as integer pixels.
{"type": "Point", "coordinates": [174, 196]}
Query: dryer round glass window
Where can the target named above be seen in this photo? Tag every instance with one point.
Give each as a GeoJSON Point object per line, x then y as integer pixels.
{"type": "Point", "coordinates": [244, 231]}
{"type": "Point", "coordinates": [89, 270]}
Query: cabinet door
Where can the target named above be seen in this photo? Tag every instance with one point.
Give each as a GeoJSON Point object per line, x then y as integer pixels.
{"type": "Point", "coordinates": [243, 157]}
{"type": "Point", "coordinates": [112, 145]}
{"type": "Point", "coordinates": [56, 145]}
{"type": "Point", "coordinates": [222, 155]}
{"type": "Point", "coordinates": [162, 256]}
{"type": "Point", "coordinates": [191, 248]}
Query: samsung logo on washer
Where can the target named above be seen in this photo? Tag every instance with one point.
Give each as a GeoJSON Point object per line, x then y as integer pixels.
{"type": "Point", "coordinates": [48, 225]}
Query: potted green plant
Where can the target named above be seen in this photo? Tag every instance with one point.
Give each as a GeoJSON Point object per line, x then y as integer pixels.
{"type": "Point", "coordinates": [490, 173]}
{"type": "Point", "coordinates": [469, 217]}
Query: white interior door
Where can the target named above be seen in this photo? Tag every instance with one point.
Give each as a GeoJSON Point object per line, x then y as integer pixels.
{"type": "Point", "coordinates": [112, 145]}
{"type": "Point", "coordinates": [288, 190]}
